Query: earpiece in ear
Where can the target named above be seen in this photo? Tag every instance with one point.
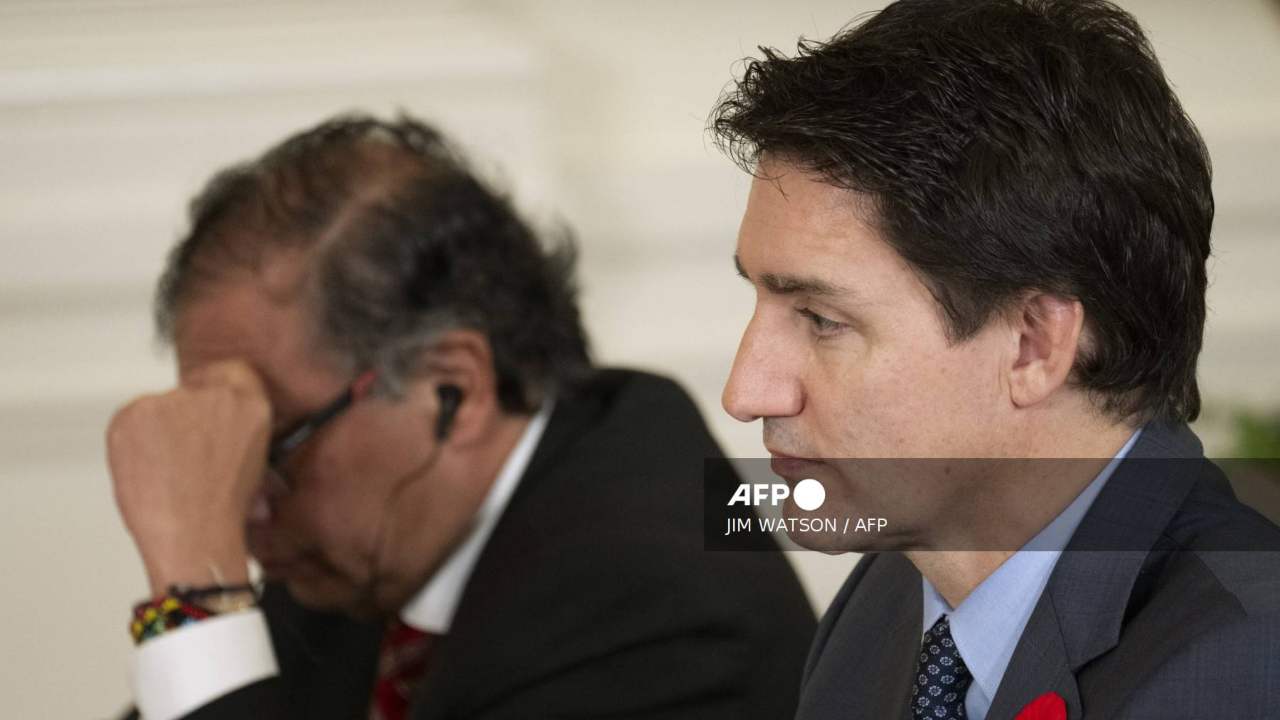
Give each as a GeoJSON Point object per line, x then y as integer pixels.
{"type": "Point", "coordinates": [450, 399]}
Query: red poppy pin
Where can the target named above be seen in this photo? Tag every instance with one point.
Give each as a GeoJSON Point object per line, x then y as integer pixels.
{"type": "Point", "coordinates": [1048, 706]}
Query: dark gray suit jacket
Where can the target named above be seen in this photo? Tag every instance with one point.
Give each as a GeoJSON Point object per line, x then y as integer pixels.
{"type": "Point", "coordinates": [1166, 604]}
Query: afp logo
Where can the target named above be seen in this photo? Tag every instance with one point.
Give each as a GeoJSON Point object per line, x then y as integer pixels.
{"type": "Point", "coordinates": [808, 494]}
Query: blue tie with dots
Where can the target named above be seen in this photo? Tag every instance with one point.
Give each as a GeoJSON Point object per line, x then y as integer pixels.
{"type": "Point", "coordinates": [941, 677]}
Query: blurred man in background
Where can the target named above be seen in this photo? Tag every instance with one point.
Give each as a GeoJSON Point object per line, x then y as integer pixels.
{"type": "Point", "coordinates": [979, 230]}
{"type": "Point", "coordinates": [383, 376]}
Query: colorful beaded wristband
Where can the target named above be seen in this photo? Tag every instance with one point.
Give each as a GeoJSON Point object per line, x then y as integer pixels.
{"type": "Point", "coordinates": [182, 605]}
{"type": "Point", "coordinates": [152, 617]}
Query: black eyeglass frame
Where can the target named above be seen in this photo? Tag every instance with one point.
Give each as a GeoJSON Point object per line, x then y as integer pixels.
{"type": "Point", "coordinates": [285, 444]}
{"type": "Point", "coordinates": [282, 446]}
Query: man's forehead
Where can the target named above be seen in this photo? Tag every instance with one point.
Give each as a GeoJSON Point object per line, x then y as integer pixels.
{"type": "Point", "coordinates": [791, 192]}
{"type": "Point", "coordinates": [792, 204]}
{"type": "Point", "coordinates": [248, 311]}
{"type": "Point", "coordinates": [801, 235]}
{"type": "Point", "coordinates": [231, 320]}
{"type": "Point", "coordinates": [797, 224]}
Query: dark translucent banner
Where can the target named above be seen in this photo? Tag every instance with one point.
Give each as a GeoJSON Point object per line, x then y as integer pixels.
{"type": "Point", "coordinates": [843, 505]}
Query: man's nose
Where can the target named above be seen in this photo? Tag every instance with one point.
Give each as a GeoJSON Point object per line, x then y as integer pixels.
{"type": "Point", "coordinates": [762, 382]}
{"type": "Point", "coordinates": [273, 487]}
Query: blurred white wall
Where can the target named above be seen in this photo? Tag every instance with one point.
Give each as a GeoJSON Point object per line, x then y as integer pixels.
{"type": "Point", "coordinates": [112, 114]}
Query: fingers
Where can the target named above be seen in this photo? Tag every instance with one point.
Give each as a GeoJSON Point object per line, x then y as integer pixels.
{"type": "Point", "coordinates": [186, 464]}
{"type": "Point", "coordinates": [235, 373]}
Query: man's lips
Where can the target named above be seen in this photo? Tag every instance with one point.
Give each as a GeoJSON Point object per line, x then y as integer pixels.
{"type": "Point", "coordinates": [790, 467]}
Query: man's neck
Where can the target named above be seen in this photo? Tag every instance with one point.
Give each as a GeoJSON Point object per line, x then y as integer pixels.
{"type": "Point", "coordinates": [423, 533]}
{"type": "Point", "coordinates": [1014, 509]}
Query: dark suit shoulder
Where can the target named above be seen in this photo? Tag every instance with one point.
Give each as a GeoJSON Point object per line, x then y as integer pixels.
{"type": "Point", "coordinates": [1228, 670]}
{"type": "Point", "coordinates": [618, 418]}
{"type": "Point", "coordinates": [622, 487]}
{"type": "Point", "coordinates": [1233, 545]}
{"type": "Point", "coordinates": [625, 389]}
{"type": "Point", "coordinates": [641, 383]}
{"type": "Point", "coordinates": [1251, 577]}
{"type": "Point", "coordinates": [1201, 636]}
{"type": "Point", "coordinates": [644, 404]}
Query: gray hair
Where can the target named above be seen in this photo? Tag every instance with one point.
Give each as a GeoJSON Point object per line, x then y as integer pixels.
{"type": "Point", "coordinates": [404, 243]}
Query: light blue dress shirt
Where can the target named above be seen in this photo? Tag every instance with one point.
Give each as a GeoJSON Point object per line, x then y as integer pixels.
{"type": "Point", "coordinates": [989, 622]}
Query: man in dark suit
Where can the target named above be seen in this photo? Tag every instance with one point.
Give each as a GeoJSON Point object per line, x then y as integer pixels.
{"type": "Point", "coordinates": [383, 376]}
{"type": "Point", "coordinates": [1164, 604]}
{"type": "Point", "coordinates": [978, 235]}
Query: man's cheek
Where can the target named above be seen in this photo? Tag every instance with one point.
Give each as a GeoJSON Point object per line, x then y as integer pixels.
{"type": "Point", "coordinates": [349, 530]}
{"type": "Point", "coordinates": [299, 524]}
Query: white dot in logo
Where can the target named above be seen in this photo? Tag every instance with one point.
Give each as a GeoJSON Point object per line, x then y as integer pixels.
{"type": "Point", "coordinates": [809, 494]}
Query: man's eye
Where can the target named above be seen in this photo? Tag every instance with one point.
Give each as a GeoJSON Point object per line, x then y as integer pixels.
{"type": "Point", "coordinates": [821, 325]}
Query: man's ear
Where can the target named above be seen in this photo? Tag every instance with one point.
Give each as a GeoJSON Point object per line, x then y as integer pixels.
{"type": "Point", "coordinates": [1048, 330]}
{"type": "Point", "coordinates": [461, 358]}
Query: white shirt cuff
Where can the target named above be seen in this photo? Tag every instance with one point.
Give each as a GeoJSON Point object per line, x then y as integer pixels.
{"type": "Point", "coordinates": [183, 669]}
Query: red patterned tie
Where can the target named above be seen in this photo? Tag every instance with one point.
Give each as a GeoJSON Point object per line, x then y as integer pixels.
{"type": "Point", "coordinates": [401, 663]}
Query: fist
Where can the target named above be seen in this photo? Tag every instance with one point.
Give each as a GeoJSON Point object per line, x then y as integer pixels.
{"type": "Point", "coordinates": [185, 466]}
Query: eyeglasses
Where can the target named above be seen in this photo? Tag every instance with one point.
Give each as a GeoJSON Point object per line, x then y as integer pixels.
{"type": "Point", "coordinates": [286, 443]}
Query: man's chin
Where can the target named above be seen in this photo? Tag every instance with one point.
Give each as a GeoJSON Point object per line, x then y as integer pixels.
{"type": "Point", "coordinates": [315, 589]}
{"type": "Point", "coordinates": [828, 543]}
{"type": "Point", "coordinates": [309, 595]}
{"type": "Point", "coordinates": [330, 594]}
{"type": "Point", "coordinates": [835, 535]}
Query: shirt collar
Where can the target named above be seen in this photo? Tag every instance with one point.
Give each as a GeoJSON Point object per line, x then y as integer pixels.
{"type": "Point", "coordinates": [989, 622]}
{"type": "Point", "coordinates": [433, 607]}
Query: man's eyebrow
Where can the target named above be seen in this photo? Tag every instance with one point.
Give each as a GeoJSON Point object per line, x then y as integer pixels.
{"type": "Point", "coordinates": [791, 284]}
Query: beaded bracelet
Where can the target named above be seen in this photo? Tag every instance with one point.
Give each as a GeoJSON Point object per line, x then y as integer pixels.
{"type": "Point", "coordinates": [182, 605]}
{"type": "Point", "coordinates": [155, 616]}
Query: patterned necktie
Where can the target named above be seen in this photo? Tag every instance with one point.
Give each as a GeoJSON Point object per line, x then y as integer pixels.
{"type": "Point", "coordinates": [401, 664]}
{"type": "Point", "coordinates": [941, 677]}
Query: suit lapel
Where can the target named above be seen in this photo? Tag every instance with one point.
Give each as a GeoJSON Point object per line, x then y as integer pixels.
{"type": "Point", "coordinates": [890, 679]}
{"type": "Point", "coordinates": [461, 671]}
{"type": "Point", "coordinates": [867, 667]}
{"type": "Point", "coordinates": [1082, 610]}
{"type": "Point", "coordinates": [1039, 665]}
{"type": "Point", "coordinates": [575, 413]}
